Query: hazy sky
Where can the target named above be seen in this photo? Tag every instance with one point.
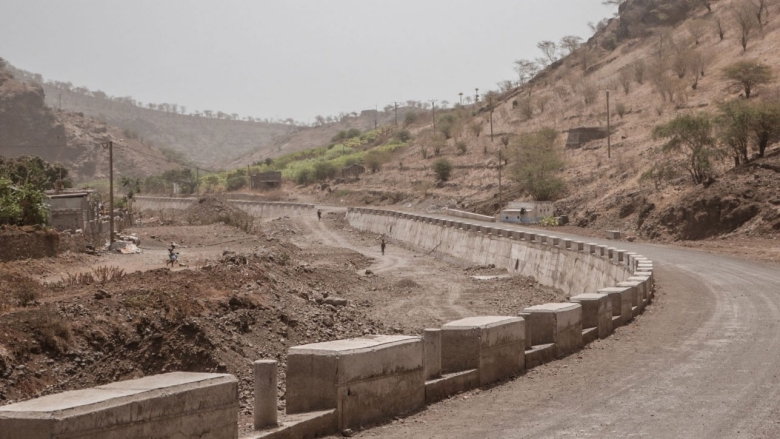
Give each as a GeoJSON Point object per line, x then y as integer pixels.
{"type": "Point", "coordinates": [284, 58]}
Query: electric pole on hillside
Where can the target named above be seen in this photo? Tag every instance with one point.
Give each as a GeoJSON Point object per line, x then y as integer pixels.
{"type": "Point", "coordinates": [110, 147]}
{"type": "Point", "coordinates": [433, 112]}
{"type": "Point", "coordinates": [490, 103]}
{"type": "Point", "coordinates": [396, 112]}
{"type": "Point", "coordinates": [609, 131]}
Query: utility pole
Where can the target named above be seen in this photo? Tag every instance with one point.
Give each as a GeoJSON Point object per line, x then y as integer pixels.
{"type": "Point", "coordinates": [500, 162]}
{"type": "Point", "coordinates": [461, 97]}
{"type": "Point", "coordinates": [609, 131]}
{"type": "Point", "coordinates": [111, 192]}
{"type": "Point", "coordinates": [491, 119]}
{"type": "Point", "coordinates": [433, 110]}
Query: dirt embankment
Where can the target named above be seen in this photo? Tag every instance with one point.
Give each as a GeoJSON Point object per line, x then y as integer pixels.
{"type": "Point", "coordinates": [255, 297]}
{"type": "Point", "coordinates": [743, 202]}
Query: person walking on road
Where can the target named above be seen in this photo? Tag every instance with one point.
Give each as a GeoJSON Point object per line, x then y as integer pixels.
{"type": "Point", "coordinates": [319, 214]}
{"type": "Point", "coordinates": [383, 245]}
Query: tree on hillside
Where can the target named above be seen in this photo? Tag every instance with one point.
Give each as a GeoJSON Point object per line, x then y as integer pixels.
{"type": "Point", "coordinates": [570, 43]}
{"type": "Point", "coordinates": [476, 128]}
{"type": "Point", "coordinates": [443, 169]}
{"type": "Point", "coordinates": [410, 118]}
{"type": "Point", "coordinates": [549, 49]}
{"type": "Point", "coordinates": [537, 165]}
{"type": "Point", "coordinates": [624, 76]}
{"type": "Point", "coordinates": [526, 70]}
{"type": "Point", "coordinates": [760, 8]}
{"type": "Point", "coordinates": [719, 28]}
{"type": "Point", "coordinates": [748, 75]}
{"type": "Point", "coordinates": [743, 15]}
{"type": "Point", "coordinates": [638, 68]}
{"type": "Point", "coordinates": [691, 137]}
{"type": "Point", "coordinates": [733, 129]}
{"type": "Point", "coordinates": [697, 29]}
{"type": "Point", "coordinates": [764, 124]}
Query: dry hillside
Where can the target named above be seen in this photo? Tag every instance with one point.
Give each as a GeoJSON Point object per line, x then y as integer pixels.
{"type": "Point", "coordinates": [570, 94]}
{"type": "Point", "coordinates": [29, 127]}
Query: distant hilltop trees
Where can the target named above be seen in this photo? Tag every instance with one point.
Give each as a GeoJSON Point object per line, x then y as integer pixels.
{"type": "Point", "coordinates": [163, 107]}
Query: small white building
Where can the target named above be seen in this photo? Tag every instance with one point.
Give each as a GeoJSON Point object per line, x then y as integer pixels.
{"type": "Point", "coordinates": [527, 212]}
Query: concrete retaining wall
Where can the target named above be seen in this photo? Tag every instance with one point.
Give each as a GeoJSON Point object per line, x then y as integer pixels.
{"type": "Point", "coordinates": [255, 208]}
{"type": "Point", "coordinates": [551, 260]}
{"type": "Point", "coordinates": [175, 405]}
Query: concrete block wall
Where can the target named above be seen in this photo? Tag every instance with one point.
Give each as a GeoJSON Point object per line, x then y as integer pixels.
{"type": "Point", "coordinates": [255, 208]}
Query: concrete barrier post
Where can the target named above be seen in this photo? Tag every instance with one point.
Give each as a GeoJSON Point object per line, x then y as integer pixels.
{"type": "Point", "coordinates": [432, 352]}
{"type": "Point", "coordinates": [596, 313]}
{"type": "Point", "coordinates": [265, 394]}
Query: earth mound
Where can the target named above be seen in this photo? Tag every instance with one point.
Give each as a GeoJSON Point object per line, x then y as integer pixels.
{"type": "Point", "coordinates": [212, 210]}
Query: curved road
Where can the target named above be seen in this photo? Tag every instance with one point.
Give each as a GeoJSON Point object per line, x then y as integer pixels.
{"type": "Point", "coordinates": [702, 362]}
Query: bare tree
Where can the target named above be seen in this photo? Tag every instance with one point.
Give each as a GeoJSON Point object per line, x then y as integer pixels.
{"type": "Point", "coordinates": [624, 77]}
{"type": "Point", "coordinates": [743, 15]}
{"type": "Point", "coordinates": [639, 71]}
{"type": "Point", "coordinates": [587, 58]}
{"type": "Point", "coordinates": [761, 8]}
{"type": "Point", "coordinates": [697, 29]}
{"type": "Point", "coordinates": [549, 49]}
{"type": "Point", "coordinates": [526, 70]}
{"type": "Point", "coordinates": [541, 103]}
{"type": "Point", "coordinates": [590, 93]}
{"type": "Point", "coordinates": [505, 86]}
{"type": "Point", "coordinates": [570, 43]}
{"type": "Point", "coordinates": [681, 62]}
{"type": "Point", "coordinates": [719, 27]}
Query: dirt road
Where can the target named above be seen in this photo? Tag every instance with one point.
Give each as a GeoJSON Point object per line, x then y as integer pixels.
{"type": "Point", "coordinates": [702, 362]}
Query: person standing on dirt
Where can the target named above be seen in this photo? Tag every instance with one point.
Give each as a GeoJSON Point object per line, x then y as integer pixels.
{"type": "Point", "coordinates": [319, 214]}
{"type": "Point", "coordinates": [383, 245]}
{"type": "Point", "coordinates": [172, 255]}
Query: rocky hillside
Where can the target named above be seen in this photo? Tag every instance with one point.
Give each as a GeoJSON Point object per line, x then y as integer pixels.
{"type": "Point", "coordinates": [29, 127]}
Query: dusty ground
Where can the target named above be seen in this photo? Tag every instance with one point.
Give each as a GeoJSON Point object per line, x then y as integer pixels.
{"type": "Point", "coordinates": [240, 297]}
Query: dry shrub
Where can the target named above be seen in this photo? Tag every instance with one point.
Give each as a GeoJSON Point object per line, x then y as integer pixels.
{"type": "Point", "coordinates": [176, 305]}
{"type": "Point", "coordinates": [106, 273]}
{"type": "Point", "coordinates": [17, 291]}
{"type": "Point", "coordinates": [52, 330]}
{"type": "Point", "coordinates": [101, 274]}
